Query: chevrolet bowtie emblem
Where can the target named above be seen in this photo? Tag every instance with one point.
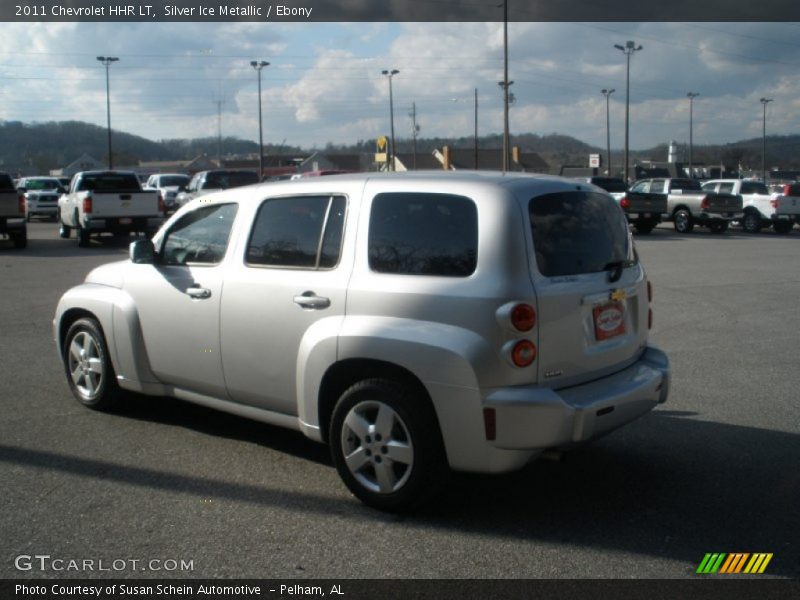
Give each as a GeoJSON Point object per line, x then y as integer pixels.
{"type": "Point", "coordinates": [617, 295]}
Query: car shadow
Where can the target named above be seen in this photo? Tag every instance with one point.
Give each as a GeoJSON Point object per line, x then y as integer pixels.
{"type": "Point", "coordinates": [667, 233]}
{"type": "Point", "coordinates": [670, 485]}
{"type": "Point", "coordinates": [113, 247]}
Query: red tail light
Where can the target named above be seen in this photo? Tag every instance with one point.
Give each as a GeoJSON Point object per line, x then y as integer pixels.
{"type": "Point", "coordinates": [524, 353]}
{"type": "Point", "coordinates": [625, 203]}
{"type": "Point", "coordinates": [161, 206]}
{"type": "Point", "coordinates": [490, 423]}
{"type": "Point", "coordinates": [87, 205]}
{"type": "Point", "coordinates": [523, 317]}
{"type": "Point", "coordinates": [21, 204]}
{"type": "Point", "coordinates": [787, 190]}
{"type": "Point", "coordinates": [704, 204]}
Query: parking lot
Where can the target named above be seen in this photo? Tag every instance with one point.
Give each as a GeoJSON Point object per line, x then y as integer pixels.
{"type": "Point", "coordinates": [713, 470]}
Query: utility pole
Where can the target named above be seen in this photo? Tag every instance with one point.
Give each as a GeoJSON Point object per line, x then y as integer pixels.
{"type": "Point", "coordinates": [107, 60]}
{"type": "Point", "coordinates": [414, 131]}
{"type": "Point", "coordinates": [219, 104]}
{"type": "Point", "coordinates": [505, 84]}
{"type": "Point", "coordinates": [476, 129]}
{"type": "Point", "coordinates": [607, 94]}
{"type": "Point", "coordinates": [629, 48]}
{"type": "Point", "coordinates": [258, 65]}
{"type": "Point", "coordinates": [389, 74]}
{"type": "Point", "coordinates": [764, 101]}
{"type": "Point", "coordinates": [692, 96]}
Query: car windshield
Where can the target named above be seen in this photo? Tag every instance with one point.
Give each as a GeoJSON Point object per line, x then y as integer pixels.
{"type": "Point", "coordinates": [579, 232]}
{"type": "Point", "coordinates": [42, 184]}
{"type": "Point", "coordinates": [174, 180]}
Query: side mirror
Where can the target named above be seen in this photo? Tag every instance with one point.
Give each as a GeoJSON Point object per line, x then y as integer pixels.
{"type": "Point", "coordinates": [142, 252]}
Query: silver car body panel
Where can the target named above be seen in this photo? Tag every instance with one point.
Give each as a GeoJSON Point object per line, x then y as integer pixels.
{"type": "Point", "coordinates": [248, 348]}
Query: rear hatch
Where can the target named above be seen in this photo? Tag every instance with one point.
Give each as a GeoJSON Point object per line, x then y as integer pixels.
{"type": "Point", "coordinates": [727, 204]}
{"type": "Point", "coordinates": [591, 292]}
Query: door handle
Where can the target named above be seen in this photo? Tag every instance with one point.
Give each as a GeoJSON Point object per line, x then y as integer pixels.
{"type": "Point", "coordinates": [311, 300]}
{"type": "Point", "coordinates": [198, 292]}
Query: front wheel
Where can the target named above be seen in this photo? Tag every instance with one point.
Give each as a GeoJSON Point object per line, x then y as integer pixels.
{"type": "Point", "coordinates": [683, 221]}
{"type": "Point", "coordinates": [751, 222]}
{"type": "Point", "coordinates": [20, 239]}
{"type": "Point", "coordinates": [386, 445]}
{"type": "Point", "coordinates": [782, 227]}
{"type": "Point", "coordinates": [88, 366]}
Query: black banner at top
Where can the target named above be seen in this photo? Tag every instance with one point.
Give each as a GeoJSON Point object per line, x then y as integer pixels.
{"type": "Point", "coordinates": [400, 10]}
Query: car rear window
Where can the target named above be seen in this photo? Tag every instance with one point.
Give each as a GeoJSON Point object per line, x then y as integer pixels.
{"type": "Point", "coordinates": [578, 232]}
{"type": "Point", "coordinates": [423, 234]}
{"type": "Point", "coordinates": [685, 184]}
{"type": "Point", "coordinates": [110, 182]}
{"type": "Point", "coordinates": [610, 184]}
{"type": "Point", "coordinates": [174, 180]}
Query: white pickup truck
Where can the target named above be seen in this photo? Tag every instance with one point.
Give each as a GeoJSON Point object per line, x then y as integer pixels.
{"type": "Point", "coordinates": [12, 213]}
{"type": "Point", "coordinates": [108, 201]}
{"type": "Point", "coordinates": [689, 205]}
{"type": "Point", "coordinates": [761, 208]}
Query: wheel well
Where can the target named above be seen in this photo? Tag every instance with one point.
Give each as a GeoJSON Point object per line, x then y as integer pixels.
{"type": "Point", "coordinates": [346, 373]}
{"type": "Point", "coordinates": [681, 207]}
{"type": "Point", "coordinates": [68, 318]}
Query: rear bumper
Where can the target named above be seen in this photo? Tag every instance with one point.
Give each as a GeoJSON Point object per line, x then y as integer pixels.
{"type": "Point", "coordinates": [727, 216]}
{"type": "Point", "coordinates": [534, 418]}
{"type": "Point", "coordinates": [12, 225]}
{"type": "Point", "coordinates": [96, 225]}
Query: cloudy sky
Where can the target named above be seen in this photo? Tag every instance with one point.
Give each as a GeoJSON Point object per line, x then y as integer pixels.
{"type": "Point", "coordinates": [324, 82]}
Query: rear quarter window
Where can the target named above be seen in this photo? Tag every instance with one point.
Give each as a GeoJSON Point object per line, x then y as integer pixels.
{"type": "Point", "coordinates": [578, 232]}
{"type": "Point", "coordinates": [423, 234]}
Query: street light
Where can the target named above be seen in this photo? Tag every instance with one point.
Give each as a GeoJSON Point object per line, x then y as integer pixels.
{"type": "Point", "coordinates": [607, 94]}
{"type": "Point", "coordinates": [764, 101]}
{"type": "Point", "coordinates": [107, 60]}
{"type": "Point", "coordinates": [691, 96]}
{"type": "Point", "coordinates": [258, 65]}
{"type": "Point", "coordinates": [629, 48]}
{"type": "Point", "coordinates": [389, 74]}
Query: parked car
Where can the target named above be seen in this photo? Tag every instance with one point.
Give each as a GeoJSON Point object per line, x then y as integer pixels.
{"type": "Point", "coordinates": [688, 205]}
{"type": "Point", "coordinates": [414, 322]}
{"type": "Point", "coordinates": [168, 185]}
{"type": "Point", "coordinates": [642, 209]}
{"type": "Point", "coordinates": [206, 182]}
{"type": "Point", "coordinates": [41, 195]}
{"type": "Point", "coordinates": [787, 205]}
{"type": "Point", "coordinates": [12, 213]}
{"type": "Point", "coordinates": [108, 201]}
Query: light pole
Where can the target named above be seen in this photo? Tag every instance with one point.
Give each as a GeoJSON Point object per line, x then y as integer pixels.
{"type": "Point", "coordinates": [505, 84]}
{"type": "Point", "coordinates": [258, 65]}
{"type": "Point", "coordinates": [607, 94]}
{"type": "Point", "coordinates": [764, 101]}
{"type": "Point", "coordinates": [629, 48]}
{"type": "Point", "coordinates": [692, 96]}
{"type": "Point", "coordinates": [389, 74]}
{"type": "Point", "coordinates": [107, 60]}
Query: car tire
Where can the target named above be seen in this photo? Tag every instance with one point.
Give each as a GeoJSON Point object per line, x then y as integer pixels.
{"type": "Point", "coordinates": [386, 445]}
{"type": "Point", "coordinates": [751, 222]}
{"type": "Point", "coordinates": [82, 232]}
{"type": "Point", "coordinates": [782, 227]}
{"type": "Point", "coordinates": [682, 220]}
{"type": "Point", "coordinates": [644, 228]}
{"type": "Point", "coordinates": [87, 366]}
{"type": "Point", "coordinates": [718, 227]}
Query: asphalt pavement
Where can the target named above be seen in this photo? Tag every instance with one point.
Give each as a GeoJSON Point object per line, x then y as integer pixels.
{"type": "Point", "coordinates": [713, 470]}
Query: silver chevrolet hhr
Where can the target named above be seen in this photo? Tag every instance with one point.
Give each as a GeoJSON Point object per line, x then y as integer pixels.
{"type": "Point", "coordinates": [415, 322]}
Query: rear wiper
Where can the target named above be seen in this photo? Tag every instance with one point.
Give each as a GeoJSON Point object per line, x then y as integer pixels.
{"type": "Point", "coordinates": [615, 269]}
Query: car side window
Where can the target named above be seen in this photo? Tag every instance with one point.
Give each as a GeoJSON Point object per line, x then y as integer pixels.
{"type": "Point", "coordinates": [298, 232]}
{"type": "Point", "coordinates": [726, 188]}
{"type": "Point", "coordinates": [657, 187]}
{"type": "Point", "coordinates": [200, 236]}
{"type": "Point", "coordinates": [709, 187]}
{"type": "Point", "coordinates": [423, 234]}
{"type": "Point", "coordinates": [640, 187]}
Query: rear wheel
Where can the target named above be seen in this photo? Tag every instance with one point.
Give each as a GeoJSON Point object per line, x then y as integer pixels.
{"type": "Point", "coordinates": [782, 227]}
{"type": "Point", "coordinates": [683, 221]}
{"type": "Point", "coordinates": [386, 445]}
{"type": "Point", "coordinates": [718, 226]}
{"type": "Point", "coordinates": [88, 366]}
{"type": "Point", "coordinates": [751, 222]}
